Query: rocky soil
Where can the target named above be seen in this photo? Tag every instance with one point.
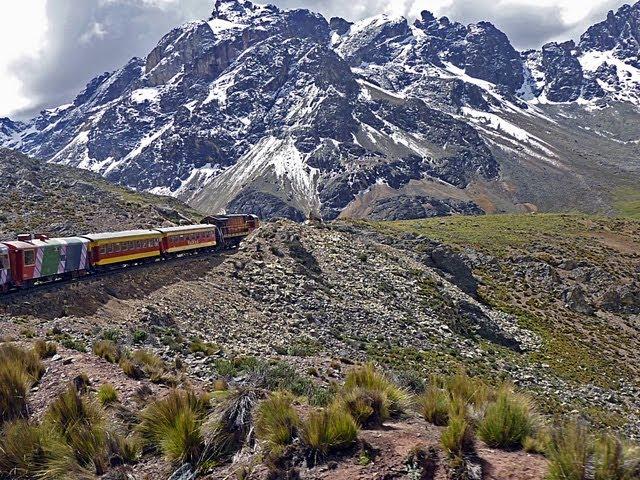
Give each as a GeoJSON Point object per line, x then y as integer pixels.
{"type": "Point", "coordinates": [549, 302]}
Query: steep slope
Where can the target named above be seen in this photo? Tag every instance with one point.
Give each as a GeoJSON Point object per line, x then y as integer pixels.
{"type": "Point", "coordinates": [38, 197]}
{"type": "Point", "coordinates": [550, 302]}
{"type": "Point", "coordinates": [285, 114]}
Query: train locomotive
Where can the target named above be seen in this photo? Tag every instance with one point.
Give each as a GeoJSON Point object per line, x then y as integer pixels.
{"type": "Point", "coordinates": [30, 259]}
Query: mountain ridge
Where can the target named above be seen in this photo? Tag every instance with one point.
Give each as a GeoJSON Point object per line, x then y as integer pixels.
{"type": "Point", "coordinates": [287, 114]}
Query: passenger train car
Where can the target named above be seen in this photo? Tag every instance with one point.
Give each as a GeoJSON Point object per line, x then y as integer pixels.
{"type": "Point", "coordinates": [32, 259]}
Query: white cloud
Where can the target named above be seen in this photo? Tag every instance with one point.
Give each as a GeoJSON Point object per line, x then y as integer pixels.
{"type": "Point", "coordinates": [50, 50]}
{"type": "Point", "coordinates": [23, 27]}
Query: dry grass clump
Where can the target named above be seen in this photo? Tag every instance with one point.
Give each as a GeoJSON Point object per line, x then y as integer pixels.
{"type": "Point", "coordinates": [107, 394]}
{"type": "Point", "coordinates": [108, 350]}
{"type": "Point", "coordinates": [143, 363]}
{"type": "Point", "coordinates": [574, 454]}
{"type": "Point", "coordinates": [45, 349]}
{"type": "Point", "coordinates": [28, 360]}
{"type": "Point", "coordinates": [328, 429]}
{"type": "Point", "coordinates": [457, 439]}
{"type": "Point", "coordinates": [276, 422]}
{"type": "Point", "coordinates": [29, 451]}
{"type": "Point", "coordinates": [81, 424]}
{"type": "Point", "coordinates": [173, 425]}
{"type": "Point", "coordinates": [371, 397]}
{"type": "Point", "coordinates": [434, 405]}
{"type": "Point", "coordinates": [507, 421]}
{"type": "Point", "coordinates": [19, 370]}
{"type": "Point", "coordinates": [230, 425]}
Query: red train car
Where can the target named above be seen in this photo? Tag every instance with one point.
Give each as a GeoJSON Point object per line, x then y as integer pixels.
{"type": "Point", "coordinates": [187, 238]}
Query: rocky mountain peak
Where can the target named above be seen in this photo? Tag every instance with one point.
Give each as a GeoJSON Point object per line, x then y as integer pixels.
{"type": "Point", "coordinates": [284, 113]}
{"type": "Point", "coordinates": [619, 32]}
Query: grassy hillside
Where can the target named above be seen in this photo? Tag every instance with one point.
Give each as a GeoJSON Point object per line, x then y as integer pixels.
{"type": "Point", "coordinates": [558, 274]}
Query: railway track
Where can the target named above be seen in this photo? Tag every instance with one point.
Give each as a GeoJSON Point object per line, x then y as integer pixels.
{"type": "Point", "coordinates": [14, 295]}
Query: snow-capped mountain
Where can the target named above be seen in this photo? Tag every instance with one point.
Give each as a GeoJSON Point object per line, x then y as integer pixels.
{"type": "Point", "coordinates": [283, 113]}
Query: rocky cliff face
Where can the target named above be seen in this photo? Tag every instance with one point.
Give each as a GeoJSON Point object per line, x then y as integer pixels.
{"type": "Point", "coordinates": [286, 114]}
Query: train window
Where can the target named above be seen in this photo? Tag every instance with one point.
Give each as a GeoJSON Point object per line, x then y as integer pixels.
{"type": "Point", "coordinates": [109, 248]}
{"type": "Point", "coordinates": [116, 248]}
{"type": "Point", "coordinates": [103, 249]}
{"type": "Point", "coordinates": [29, 257]}
{"type": "Point", "coordinates": [4, 262]}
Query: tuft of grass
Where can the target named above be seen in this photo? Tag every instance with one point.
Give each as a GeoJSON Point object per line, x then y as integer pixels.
{"type": "Point", "coordinates": [19, 370]}
{"type": "Point", "coordinates": [107, 394]}
{"type": "Point", "coordinates": [615, 461]}
{"type": "Point", "coordinates": [368, 377]}
{"type": "Point", "coordinates": [45, 349]}
{"type": "Point", "coordinates": [457, 439]}
{"type": "Point", "coordinates": [276, 422]}
{"type": "Point", "coordinates": [35, 451]}
{"type": "Point", "coordinates": [507, 421]}
{"type": "Point", "coordinates": [108, 350]}
{"type": "Point", "coordinates": [29, 360]}
{"type": "Point", "coordinates": [434, 405]}
{"type": "Point", "coordinates": [230, 425]}
{"type": "Point", "coordinates": [569, 453]}
{"type": "Point", "coordinates": [368, 407]}
{"type": "Point", "coordinates": [471, 390]}
{"type": "Point", "coordinates": [14, 387]}
{"type": "Point", "coordinates": [80, 422]}
{"type": "Point", "coordinates": [152, 365]}
{"type": "Point", "coordinates": [173, 425]}
{"type": "Point", "coordinates": [538, 443]}
{"type": "Point", "coordinates": [124, 449]}
{"type": "Point", "coordinates": [328, 430]}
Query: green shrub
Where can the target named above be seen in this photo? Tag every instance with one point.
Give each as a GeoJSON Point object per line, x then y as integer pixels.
{"type": "Point", "coordinates": [72, 344]}
{"type": "Point", "coordinates": [173, 424]}
{"type": "Point", "coordinates": [328, 430]}
{"type": "Point", "coordinates": [368, 407]}
{"type": "Point", "coordinates": [139, 336]}
{"type": "Point", "coordinates": [367, 377]}
{"type": "Point", "coordinates": [569, 453]}
{"type": "Point", "coordinates": [457, 438]}
{"type": "Point", "coordinates": [507, 421]}
{"type": "Point", "coordinates": [107, 394]}
{"type": "Point", "coordinates": [80, 422]}
{"type": "Point", "coordinates": [434, 405]}
{"type": "Point", "coordinates": [615, 461]}
{"type": "Point", "coordinates": [111, 334]}
{"type": "Point", "coordinates": [108, 350]}
{"type": "Point", "coordinates": [276, 421]}
{"type": "Point", "coordinates": [45, 349]}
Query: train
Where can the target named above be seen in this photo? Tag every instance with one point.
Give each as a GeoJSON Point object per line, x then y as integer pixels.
{"type": "Point", "coordinates": [33, 259]}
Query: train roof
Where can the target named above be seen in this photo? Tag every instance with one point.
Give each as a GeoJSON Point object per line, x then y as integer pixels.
{"type": "Point", "coordinates": [125, 234]}
{"type": "Point", "coordinates": [187, 228]}
{"type": "Point", "coordinates": [50, 242]}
